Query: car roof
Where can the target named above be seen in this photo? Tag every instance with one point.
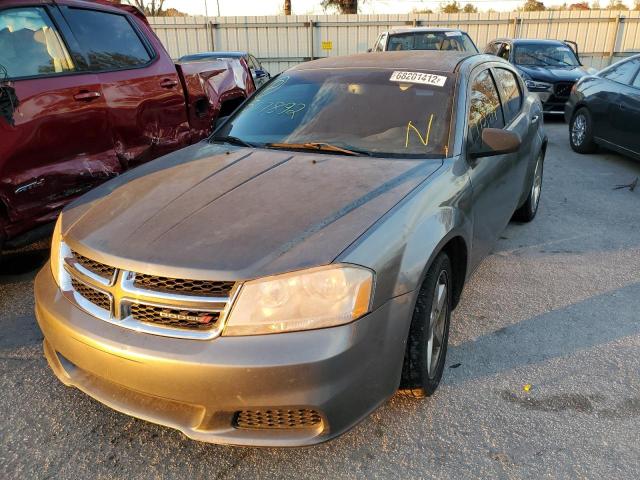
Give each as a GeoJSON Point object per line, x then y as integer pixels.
{"type": "Point", "coordinates": [422, 30]}
{"type": "Point", "coordinates": [219, 54]}
{"type": "Point", "coordinates": [434, 60]}
{"type": "Point", "coordinates": [530, 41]}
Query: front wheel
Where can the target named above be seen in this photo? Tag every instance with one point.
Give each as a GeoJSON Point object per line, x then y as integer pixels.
{"type": "Point", "coordinates": [581, 132]}
{"type": "Point", "coordinates": [528, 210]}
{"type": "Point", "coordinates": [429, 332]}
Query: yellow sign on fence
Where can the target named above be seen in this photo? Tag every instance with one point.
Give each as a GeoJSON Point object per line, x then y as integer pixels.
{"type": "Point", "coordinates": [328, 45]}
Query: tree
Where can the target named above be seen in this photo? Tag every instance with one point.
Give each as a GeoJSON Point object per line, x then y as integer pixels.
{"type": "Point", "coordinates": [533, 6]}
{"type": "Point", "coordinates": [579, 6]}
{"type": "Point", "coordinates": [636, 5]}
{"type": "Point", "coordinates": [343, 6]}
{"type": "Point", "coordinates": [151, 8]}
{"type": "Point", "coordinates": [469, 8]}
{"type": "Point", "coordinates": [596, 5]}
{"type": "Point", "coordinates": [287, 7]}
{"type": "Point", "coordinates": [616, 5]}
{"type": "Point", "coordinates": [452, 7]}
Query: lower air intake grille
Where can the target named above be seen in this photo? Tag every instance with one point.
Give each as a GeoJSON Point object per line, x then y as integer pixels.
{"type": "Point", "coordinates": [100, 269]}
{"type": "Point", "coordinates": [277, 419]}
{"type": "Point", "coordinates": [189, 287]}
{"type": "Point", "coordinates": [174, 317]}
{"type": "Point", "coordinates": [92, 295]}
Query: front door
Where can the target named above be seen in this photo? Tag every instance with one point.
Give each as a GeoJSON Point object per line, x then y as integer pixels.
{"type": "Point", "coordinates": [494, 180]}
{"type": "Point", "coordinates": [55, 141]}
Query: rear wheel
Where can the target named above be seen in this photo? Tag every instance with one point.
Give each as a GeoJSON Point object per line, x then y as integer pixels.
{"type": "Point", "coordinates": [581, 132]}
{"type": "Point", "coordinates": [429, 332]}
{"type": "Point", "coordinates": [528, 210]}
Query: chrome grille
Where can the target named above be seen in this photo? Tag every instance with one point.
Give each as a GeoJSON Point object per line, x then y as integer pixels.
{"type": "Point", "coordinates": [97, 268]}
{"type": "Point", "coordinates": [173, 317]}
{"type": "Point", "coordinates": [191, 309]}
{"type": "Point", "coordinates": [190, 287]}
{"type": "Point", "coordinates": [92, 295]}
{"type": "Point", "coordinates": [277, 419]}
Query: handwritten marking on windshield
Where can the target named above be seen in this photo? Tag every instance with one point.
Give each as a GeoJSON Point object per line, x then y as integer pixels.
{"type": "Point", "coordinates": [425, 139]}
{"type": "Point", "coordinates": [279, 108]}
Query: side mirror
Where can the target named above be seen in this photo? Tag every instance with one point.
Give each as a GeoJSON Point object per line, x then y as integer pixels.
{"type": "Point", "coordinates": [220, 121]}
{"type": "Point", "coordinates": [369, 50]}
{"type": "Point", "coordinates": [496, 141]}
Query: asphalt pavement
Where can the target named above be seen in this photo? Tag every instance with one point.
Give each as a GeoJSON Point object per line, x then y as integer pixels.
{"type": "Point", "coordinates": [542, 377]}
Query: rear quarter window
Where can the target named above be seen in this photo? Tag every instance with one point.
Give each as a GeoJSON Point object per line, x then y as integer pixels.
{"type": "Point", "coordinates": [108, 39]}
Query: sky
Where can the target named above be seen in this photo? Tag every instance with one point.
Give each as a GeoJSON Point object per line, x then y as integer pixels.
{"type": "Point", "coordinates": [305, 7]}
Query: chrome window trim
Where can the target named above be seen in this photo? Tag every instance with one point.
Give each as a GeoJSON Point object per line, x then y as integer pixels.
{"type": "Point", "coordinates": [123, 293]}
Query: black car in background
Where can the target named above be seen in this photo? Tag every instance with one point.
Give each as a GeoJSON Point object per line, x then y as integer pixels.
{"type": "Point", "coordinates": [549, 68]}
{"type": "Point", "coordinates": [604, 109]}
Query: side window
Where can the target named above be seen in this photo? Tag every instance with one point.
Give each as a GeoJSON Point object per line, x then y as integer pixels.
{"type": "Point", "coordinates": [380, 44]}
{"type": "Point", "coordinates": [492, 48]}
{"type": "Point", "coordinates": [254, 62]}
{"type": "Point", "coordinates": [110, 41]}
{"type": "Point", "coordinates": [505, 51]}
{"type": "Point", "coordinates": [510, 93]}
{"type": "Point", "coordinates": [30, 45]}
{"type": "Point", "coordinates": [484, 110]}
{"type": "Point", "coordinates": [622, 72]}
{"type": "Point", "coordinates": [636, 81]}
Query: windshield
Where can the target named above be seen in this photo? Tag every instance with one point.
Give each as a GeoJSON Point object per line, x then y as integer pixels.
{"type": "Point", "coordinates": [456, 41]}
{"type": "Point", "coordinates": [545, 56]}
{"type": "Point", "coordinates": [375, 112]}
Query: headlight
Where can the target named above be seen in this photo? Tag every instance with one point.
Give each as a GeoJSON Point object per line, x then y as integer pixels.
{"type": "Point", "coordinates": [538, 86]}
{"type": "Point", "coordinates": [304, 300]}
{"type": "Point", "coordinates": [59, 251]}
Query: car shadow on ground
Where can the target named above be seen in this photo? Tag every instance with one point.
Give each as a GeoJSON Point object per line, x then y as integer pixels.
{"type": "Point", "coordinates": [16, 265]}
{"type": "Point", "coordinates": [581, 326]}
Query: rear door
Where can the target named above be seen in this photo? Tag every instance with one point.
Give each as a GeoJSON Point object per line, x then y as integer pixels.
{"type": "Point", "coordinates": [495, 180]}
{"type": "Point", "coordinates": [140, 83]}
{"type": "Point", "coordinates": [625, 109]}
{"type": "Point", "coordinates": [54, 131]}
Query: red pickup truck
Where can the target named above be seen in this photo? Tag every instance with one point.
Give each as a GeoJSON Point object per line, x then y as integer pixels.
{"type": "Point", "coordinates": [87, 91]}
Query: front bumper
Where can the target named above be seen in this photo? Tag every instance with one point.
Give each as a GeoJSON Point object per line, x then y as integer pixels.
{"type": "Point", "coordinates": [197, 386]}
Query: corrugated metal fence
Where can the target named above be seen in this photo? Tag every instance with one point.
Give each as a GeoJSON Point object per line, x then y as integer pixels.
{"type": "Point", "coordinates": [282, 41]}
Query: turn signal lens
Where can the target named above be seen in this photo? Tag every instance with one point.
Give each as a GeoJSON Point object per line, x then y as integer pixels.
{"type": "Point", "coordinates": [304, 300]}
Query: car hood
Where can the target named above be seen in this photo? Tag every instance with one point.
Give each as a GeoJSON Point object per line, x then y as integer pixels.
{"type": "Point", "coordinates": [237, 213]}
{"type": "Point", "coordinates": [553, 74]}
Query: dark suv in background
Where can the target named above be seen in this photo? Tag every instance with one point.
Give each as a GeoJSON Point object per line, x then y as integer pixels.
{"type": "Point", "coordinates": [549, 68]}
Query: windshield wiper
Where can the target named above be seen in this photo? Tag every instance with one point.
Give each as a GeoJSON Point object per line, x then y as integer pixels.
{"type": "Point", "coordinates": [233, 141]}
{"type": "Point", "coordinates": [319, 146]}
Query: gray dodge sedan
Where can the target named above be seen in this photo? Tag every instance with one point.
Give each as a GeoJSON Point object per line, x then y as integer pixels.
{"type": "Point", "coordinates": [276, 283]}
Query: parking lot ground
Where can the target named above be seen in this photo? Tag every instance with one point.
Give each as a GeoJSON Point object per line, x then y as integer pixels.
{"type": "Point", "coordinates": [555, 311]}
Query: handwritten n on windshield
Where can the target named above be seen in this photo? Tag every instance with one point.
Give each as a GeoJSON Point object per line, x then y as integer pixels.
{"type": "Point", "coordinates": [425, 139]}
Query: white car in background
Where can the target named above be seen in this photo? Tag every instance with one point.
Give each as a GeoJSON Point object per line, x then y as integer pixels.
{"type": "Point", "coordinates": [424, 38]}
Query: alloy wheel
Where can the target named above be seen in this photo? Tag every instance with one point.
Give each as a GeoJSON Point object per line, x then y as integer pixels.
{"type": "Point", "coordinates": [437, 323]}
{"type": "Point", "coordinates": [536, 188]}
{"type": "Point", "coordinates": [579, 129]}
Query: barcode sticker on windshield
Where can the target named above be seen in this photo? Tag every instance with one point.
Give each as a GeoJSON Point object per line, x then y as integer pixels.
{"type": "Point", "coordinates": [418, 77]}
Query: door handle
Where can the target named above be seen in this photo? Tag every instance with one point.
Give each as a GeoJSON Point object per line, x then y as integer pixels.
{"type": "Point", "coordinates": [85, 96]}
{"type": "Point", "coordinates": [534, 119]}
{"type": "Point", "coordinates": [168, 83]}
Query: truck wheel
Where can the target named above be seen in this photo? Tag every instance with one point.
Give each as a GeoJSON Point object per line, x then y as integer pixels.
{"type": "Point", "coordinates": [581, 132]}
{"type": "Point", "coordinates": [429, 332]}
{"type": "Point", "coordinates": [527, 212]}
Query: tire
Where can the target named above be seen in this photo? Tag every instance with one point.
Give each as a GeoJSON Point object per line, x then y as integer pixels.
{"type": "Point", "coordinates": [581, 132]}
{"type": "Point", "coordinates": [529, 209]}
{"type": "Point", "coordinates": [421, 373]}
